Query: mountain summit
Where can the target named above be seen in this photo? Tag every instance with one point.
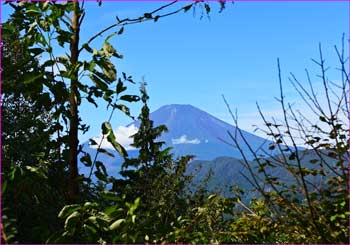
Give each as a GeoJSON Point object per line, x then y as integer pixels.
{"type": "Point", "coordinates": [196, 132]}
{"type": "Point", "coordinates": [192, 131]}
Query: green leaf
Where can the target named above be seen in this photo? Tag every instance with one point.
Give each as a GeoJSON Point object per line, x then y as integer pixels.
{"type": "Point", "coordinates": [124, 109]}
{"type": "Point", "coordinates": [71, 220]}
{"type": "Point", "coordinates": [89, 66]}
{"type": "Point", "coordinates": [29, 78]}
{"type": "Point", "coordinates": [263, 229]}
{"type": "Point", "coordinates": [92, 142]}
{"type": "Point", "coordinates": [188, 7]}
{"type": "Point", "coordinates": [92, 101]}
{"type": "Point", "coordinates": [134, 206]}
{"type": "Point", "coordinates": [37, 171]}
{"type": "Point", "coordinates": [49, 63]}
{"type": "Point", "coordinates": [106, 127]}
{"type": "Point", "coordinates": [86, 160]}
{"type": "Point", "coordinates": [212, 196]}
{"type": "Point", "coordinates": [93, 221]}
{"type": "Point", "coordinates": [90, 205]}
{"type": "Point", "coordinates": [118, 147]}
{"type": "Point", "coordinates": [133, 218]}
{"type": "Point", "coordinates": [323, 119]}
{"type": "Point", "coordinates": [120, 87]}
{"type": "Point", "coordinates": [63, 60]}
{"type": "Point", "coordinates": [116, 224]}
{"type": "Point", "coordinates": [130, 98]}
{"type": "Point", "coordinates": [36, 51]}
{"type": "Point", "coordinates": [46, 5]}
{"type": "Point", "coordinates": [108, 69]}
{"type": "Point", "coordinates": [105, 152]}
{"type": "Point", "coordinates": [110, 36]}
{"type": "Point", "coordinates": [67, 210]}
{"type": "Point", "coordinates": [333, 217]}
{"type": "Point", "coordinates": [87, 47]}
{"type": "Point", "coordinates": [33, 13]}
{"type": "Point", "coordinates": [101, 166]}
{"type": "Point", "coordinates": [100, 176]}
{"type": "Point", "coordinates": [4, 187]}
{"type": "Point", "coordinates": [121, 30]}
{"type": "Point", "coordinates": [99, 83]}
{"type": "Point", "coordinates": [108, 50]}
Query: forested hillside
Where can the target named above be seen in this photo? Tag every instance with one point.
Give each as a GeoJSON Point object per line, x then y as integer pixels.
{"type": "Point", "coordinates": [295, 190]}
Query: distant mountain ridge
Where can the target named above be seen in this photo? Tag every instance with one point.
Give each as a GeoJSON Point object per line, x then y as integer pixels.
{"type": "Point", "coordinates": [226, 172]}
{"type": "Point", "coordinates": [192, 131]}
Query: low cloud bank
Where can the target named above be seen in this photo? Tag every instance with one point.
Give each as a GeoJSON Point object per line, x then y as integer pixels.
{"type": "Point", "coordinates": [183, 140]}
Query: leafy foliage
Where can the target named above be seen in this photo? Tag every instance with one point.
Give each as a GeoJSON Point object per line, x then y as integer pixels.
{"type": "Point", "coordinates": [28, 173]}
{"type": "Point", "coordinates": [46, 200]}
{"type": "Point", "coordinates": [312, 205]}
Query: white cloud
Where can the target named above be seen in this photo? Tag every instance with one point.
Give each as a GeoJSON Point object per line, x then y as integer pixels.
{"type": "Point", "coordinates": [122, 135]}
{"type": "Point", "coordinates": [183, 140]}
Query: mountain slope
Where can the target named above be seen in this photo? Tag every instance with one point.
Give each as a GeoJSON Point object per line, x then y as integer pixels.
{"type": "Point", "coordinates": [194, 131]}
{"type": "Point", "coordinates": [226, 172]}
{"type": "Point", "coordinates": [191, 132]}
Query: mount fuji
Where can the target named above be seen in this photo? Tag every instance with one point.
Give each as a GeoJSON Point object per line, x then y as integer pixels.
{"type": "Point", "coordinates": [196, 132]}
{"type": "Point", "coordinates": [192, 131]}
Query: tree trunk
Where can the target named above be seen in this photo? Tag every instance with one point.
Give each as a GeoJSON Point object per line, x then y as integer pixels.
{"type": "Point", "coordinates": [73, 184]}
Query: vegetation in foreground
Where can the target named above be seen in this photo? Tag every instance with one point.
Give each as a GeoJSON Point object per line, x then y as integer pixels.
{"type": "Point", "coordinates": [45, 200]}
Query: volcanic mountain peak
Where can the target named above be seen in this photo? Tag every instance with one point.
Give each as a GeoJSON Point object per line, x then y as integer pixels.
{"type": "Point", "coordinates": [191, 131]}
{"type": "Point", "coordinates": [196, 132]}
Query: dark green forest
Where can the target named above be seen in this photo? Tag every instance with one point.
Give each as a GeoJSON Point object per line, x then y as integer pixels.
{"type": "Point", "coordinates": [46, 200]}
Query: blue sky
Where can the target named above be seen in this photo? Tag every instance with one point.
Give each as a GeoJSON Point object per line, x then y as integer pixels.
{"type": "Point", "coordinates": [188, 60]}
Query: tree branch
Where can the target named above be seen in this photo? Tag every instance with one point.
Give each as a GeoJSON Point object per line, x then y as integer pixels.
{"type": "Point", "coordinates": [146, 17]}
